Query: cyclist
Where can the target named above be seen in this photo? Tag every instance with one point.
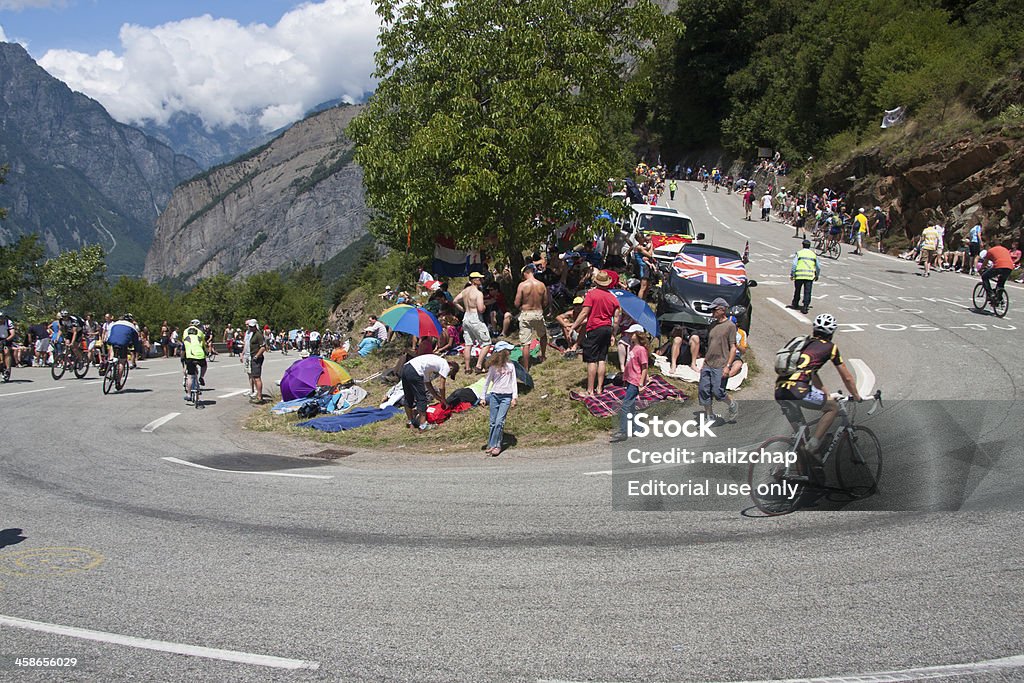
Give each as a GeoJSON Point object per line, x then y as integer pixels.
{"type": "Point", "coordinates": [194, 353]}
{"type": "Point", "coordinates": [6, 342]}
{"type": "Point", "coordinates": [804, 389]}
{"type": "Point", "coordinates": [122, 337]}
{"type": "Point", "coordinates": [1002, 266]}
{"type": "Point", "coordinates": [72, 330]}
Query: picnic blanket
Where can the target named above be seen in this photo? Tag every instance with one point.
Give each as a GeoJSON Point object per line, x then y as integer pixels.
{"type": "Point", "coordinates": [609, 401]}
{"type": "Point", "coordinates": [684, 372]}
{"type": "Point", "coordinates": [360, 417]}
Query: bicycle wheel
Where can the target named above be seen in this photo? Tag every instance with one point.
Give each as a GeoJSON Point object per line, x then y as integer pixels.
{"type": "Point", "coordinates": [81, 367]}
{"type": "Point", "coordinates": [1001, 303]}
{"type": "Point", "coordinates": [766, 481]}
{"type": "Point", "coordinates": [859, 462]}
{"type": "Point", "coordinates": [194, 392]}
{"type": "Point", "coordinates": [121, 374]}
{"type": "Point", "coordinates": [58, 368]}
{"type": "Point", "coordinates": [834, 250]}
{"type": "Point", "coordinates": [979, 298]}
{"type": "Point", "coordinates": [109, 378]}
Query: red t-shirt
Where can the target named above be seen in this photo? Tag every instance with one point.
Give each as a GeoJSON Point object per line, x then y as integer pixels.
{"type": "Point", "coordinates": [603, 305]}
{"type": "Point", "coordinates": [1000, 256]}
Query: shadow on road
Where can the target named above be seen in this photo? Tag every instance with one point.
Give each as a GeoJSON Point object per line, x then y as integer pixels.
{"type": "Point", "coordinates": [135, 391]}
{"type": "Point", "coordinates": [11, 537]}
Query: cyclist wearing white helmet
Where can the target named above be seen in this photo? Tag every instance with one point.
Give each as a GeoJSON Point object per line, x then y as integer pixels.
{"type": "Point", "coordinates": [804, 389]}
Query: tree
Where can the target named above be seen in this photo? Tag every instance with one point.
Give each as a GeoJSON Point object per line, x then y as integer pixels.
{"type": "Point", "coordinates": [18, 266]}
{"type": "Point", "coordinates": [490, 113]}
{"type": "Point", "coordinates": [69, 280]}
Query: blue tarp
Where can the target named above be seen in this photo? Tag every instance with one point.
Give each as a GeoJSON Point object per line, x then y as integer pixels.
{"type": "Point", "coordinates": [360, 417]}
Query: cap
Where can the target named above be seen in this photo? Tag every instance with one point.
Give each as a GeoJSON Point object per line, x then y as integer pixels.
{"type": "Point", "coordinates": [719, 302]}
{"type": "Point", "coordinates": [503, 346]}
{"type": "Point", "coordinates": [577, 300]}
{"type": "Point", "coordinates": [475, 274]}
{"type": "Point", "coordinates": [251, 322]}
{"type": "Point", "coordinates": [529, 268]}
{"type": "Point", "coordinates": [860, 210]}
{"type": "Point", "coordinates": [878, 208]}
{"type": "Point", "coordinates": [635, 327]}
{"type": "Point", "coordinates": [388, 287]}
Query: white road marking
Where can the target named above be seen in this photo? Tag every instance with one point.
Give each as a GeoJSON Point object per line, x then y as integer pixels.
{"type": "Point", "coordinates": [238, 392]}
{"type": "Point", "coordinates": [865, 378]}
{"type": "Point", "coordinates": [587, 474]}
{"type": "Point", "coordinates": [796, 314]}
{"type": "Point", "coordinates": [151, 427]}
{"type": "Point", "coordinates": [917, 674]}
{"type": "Point", "coordinates": [266, 474]}
{"type": "Point", "coordinates": [770, 246]}
{"type": "Point", "coordinates": [746, 237]}
{"type": "Point", "coordinates": [159, 645]}
{"type": "Point", "coordinates": [877, 282]}
{"type": "Point", "coordinates": [161, 374]}
{"type": "Point", "coordinates": [30, 391]}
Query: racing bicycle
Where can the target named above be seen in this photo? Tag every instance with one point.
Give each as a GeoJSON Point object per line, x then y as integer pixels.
{"type": "Point", "coordinates": [117, 372]}
{"type": "Point", "coordinates": [67, 358]}
{"type": "Point", "coordinates": [855, 450]}
{"type": "Point", "coordinates": [5, 370]}
{"type": "Point", "coordinates": [996, 297]}
{"type": "Point", "coordinates": [192, 387]}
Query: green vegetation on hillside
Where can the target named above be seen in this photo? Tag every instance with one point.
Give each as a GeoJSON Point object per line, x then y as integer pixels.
{"type": "Point", "coordinates": [792, 74]}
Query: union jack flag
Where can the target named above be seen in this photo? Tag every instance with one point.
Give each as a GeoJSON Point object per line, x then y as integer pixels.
{"type": "Point", "coordinates": [712, 270]}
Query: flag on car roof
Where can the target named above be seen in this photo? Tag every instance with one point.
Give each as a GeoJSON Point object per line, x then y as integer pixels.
{"type": "Point", "coordinates": [710, 269]}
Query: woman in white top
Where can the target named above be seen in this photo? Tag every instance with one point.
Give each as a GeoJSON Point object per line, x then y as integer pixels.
{"type": "Point", "coordinates": [500, 392]}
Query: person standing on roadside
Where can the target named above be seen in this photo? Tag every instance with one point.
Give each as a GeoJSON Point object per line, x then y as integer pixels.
{"type": "Point", "coordinates": [766, 206]}
{"type": "Point", "coordinates": [862, 231]}
{"type": "Point", "coordinates": [501, 391]}
{"type": "Point", "coordinates": [531, 299]}
{"type": "Point", "coordinates": [974, 245]}
{"type": "Point", "coordinates": [931, 239]}
{"type": "Point", "coordinates": [804, 273]}
{"type": "Point", "coordinates": [718, 362]}
{"type": "Point", "coordinates": [600, 314]}
{"type": "Point", "coordinates": [748, 203]}
{"type": "Point", "coordinates": [672, 189]}
{"type": "Point", "coordinates": [635, 376]}
{"type": "Point", "coordinates": [253, 348]}
{"type": "Point", "coordinates": [474, 330]}
{"type": "Point", "coordinates": [880, 226]}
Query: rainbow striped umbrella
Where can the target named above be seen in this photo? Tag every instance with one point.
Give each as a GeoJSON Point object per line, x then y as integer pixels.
{"type": "Point", "coordinates": [413, 320]}
{"type": "Point", "coordinates": [303, 377]}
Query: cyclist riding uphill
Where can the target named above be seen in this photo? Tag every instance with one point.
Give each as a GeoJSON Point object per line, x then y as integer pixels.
{"type": "Point", "coordinates": [72, 329]}
{"type": "Point", "coordinates": [6, 342]}
{"type": "Point", "coordinates": [194, 356]}
{"type": "Point", "coordinates": [122, 337]}
{"type": "Point", "coordinates": [802, 388]}
{"type": "Point", "coordinates": [1000, 268]}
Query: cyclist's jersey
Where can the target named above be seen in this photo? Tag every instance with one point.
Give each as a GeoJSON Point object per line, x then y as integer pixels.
{"type": "Point", "coordinates": [122, 333]}
{"type": "Point", "coordinates": [72, 323]}
{"type": "Point", "coordinates": [1000, 257]}
{"type": "Point", "coordinates": [194, 342]}
{"type": "Point", "coordinates": [6, 327]}
{"type": "Point", "coordinates": [813, 358]}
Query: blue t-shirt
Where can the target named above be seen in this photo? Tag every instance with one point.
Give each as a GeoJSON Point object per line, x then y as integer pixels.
{"type": "Point", "coordinates": [976, 234]}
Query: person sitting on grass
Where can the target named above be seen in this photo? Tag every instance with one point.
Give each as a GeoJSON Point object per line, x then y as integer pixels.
{"type": "Point", "coordinates": [570, 336]}
{"type": "Point", "coordinates": [339, 353]}
{"type": "Point", "coordinates": [418, 377]}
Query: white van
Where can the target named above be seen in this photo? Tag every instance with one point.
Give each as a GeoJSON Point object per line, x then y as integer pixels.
{"type": "Point", "coordinates": [668, 229]}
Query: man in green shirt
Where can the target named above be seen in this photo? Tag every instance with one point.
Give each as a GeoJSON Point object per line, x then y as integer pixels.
{"type": "Point", "coordinates": [803, 274]}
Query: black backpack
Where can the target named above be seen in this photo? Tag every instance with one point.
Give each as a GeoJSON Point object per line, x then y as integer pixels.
{"type": "Point", "coordinates": [309, 409]}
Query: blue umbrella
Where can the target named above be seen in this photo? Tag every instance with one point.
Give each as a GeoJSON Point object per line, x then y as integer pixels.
{"type": "Point", "coordinates": [637, 309]}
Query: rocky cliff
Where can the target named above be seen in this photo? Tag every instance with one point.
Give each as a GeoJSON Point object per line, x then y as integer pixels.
{"type": "Point", "coordinates": [76, 175]}
{"type": "Point", "coordinates": [977, 178]}
{"type": "Point", "coordinates": [295, 201]}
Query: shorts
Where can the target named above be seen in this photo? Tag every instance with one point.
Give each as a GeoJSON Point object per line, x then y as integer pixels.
{"type": "Point", "coordinates": [254, 367]}
{"type": "Point", "coordinates": [710, 384]}
{"type": "Point", "coordinates": [474, 331]}
{"type": "Point", "coordinates": [193, 364]}
{"type": "Point", "coordinates": [928, 253]}
{"type": "Point", "coordinates": [120, 351]}
{"type": "Point", "coordinates": [791, 402]}
{"type": "Point", "coordinates": [860, 238]}
{"type": "Point", "coordinates": [43, 345]}
{"type": "Point", "coordinates": [414, 388]}
{"type": "Point", "coordinates": [834, 230]}
{"type": "Point", "coordinates": [595, 344]}
{"type": "Point", "coordinates": [531, 326]}
{"type": "Point", "coordinates": [975, 248]}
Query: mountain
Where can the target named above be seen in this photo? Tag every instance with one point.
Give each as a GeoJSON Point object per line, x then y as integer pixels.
{"type": "Point", "coordinates": [77, 176]}
{"type": "Point", "coordinates": [295, 201]}
{"type": "Point", "coordinates": [187, 134]}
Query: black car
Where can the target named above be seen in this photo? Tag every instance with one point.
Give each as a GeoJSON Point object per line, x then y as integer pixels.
{"type": "Point", "coordinates": [700, 274]}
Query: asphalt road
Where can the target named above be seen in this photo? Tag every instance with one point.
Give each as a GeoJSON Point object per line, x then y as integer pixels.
{"type": "Point", "coordinates": [382, 566]}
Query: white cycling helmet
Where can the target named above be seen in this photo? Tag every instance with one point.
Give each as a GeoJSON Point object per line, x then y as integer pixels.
{"type": "Point", "coordinates": [193, 321]}
{"type": "Point", "coordinates": [826, 323]}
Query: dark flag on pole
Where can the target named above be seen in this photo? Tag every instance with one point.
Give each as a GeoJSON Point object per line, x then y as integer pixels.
{"type": "Point", "coordinates": [746, 253]}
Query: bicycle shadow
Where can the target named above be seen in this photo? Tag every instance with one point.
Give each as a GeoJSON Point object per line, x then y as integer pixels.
{"type": "Point", "coordinates": [135, 391]}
